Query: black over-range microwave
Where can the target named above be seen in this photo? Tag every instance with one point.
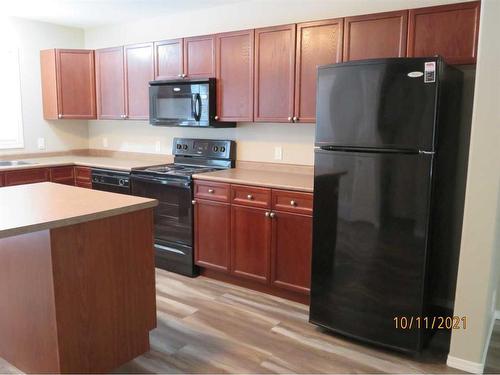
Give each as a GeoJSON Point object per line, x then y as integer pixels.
{"type": "Point", "coordinates": [190, 103]}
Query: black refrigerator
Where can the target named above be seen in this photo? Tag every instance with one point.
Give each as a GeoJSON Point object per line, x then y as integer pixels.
{"type": "Point", "coordinates": [389, 181]}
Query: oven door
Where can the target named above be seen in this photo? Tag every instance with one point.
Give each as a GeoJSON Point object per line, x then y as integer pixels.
{"type": "Point", "coordinates": [179, 104]}
{"type": "Point", "coordinates": [173, 221]}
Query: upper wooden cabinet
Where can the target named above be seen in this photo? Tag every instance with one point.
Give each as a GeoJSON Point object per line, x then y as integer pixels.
{"type": "Point", "coordinates": [139, 70]}
{"type": "Point", "coordinates": [110, 83]}
{"type": "Point", "coordinates": [274, 73]}
{"type": "Point", "coordinates": [199, 57]}
{"type": "Point", "coordinates": [318, 43]}
{"type": "Point", "coordinates": [234, 73]}
{"type": "Point", "coordinates": [375, 35]}
{"type": "Point", "coordinates": [68, 84]}
{"type": "Point", "coordinates": [168, 59]}
{"type": "Point", "coordinates": [448, 30]}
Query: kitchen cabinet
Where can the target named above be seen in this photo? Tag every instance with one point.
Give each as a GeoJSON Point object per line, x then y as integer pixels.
{"type": "Point", "coordinates": [375, 35]}
{"type": "Point", "coordinates": [68, 84]}
{"type": "Point", "coordinates": [110, 83]}
{"type": "Point", "coordinates": [318, 43]}
{"type": "Point", "coordinates": [250, 243]}
{"type": "Point", "coordinates": [212, 240]}
{"type": "Point", "coordinates": [274, 79]}
{"type": "Point", "coordinates": [139, 70]}
{"type": "Point", "coordinates": [1, 179]}
{"type": "Point", "coordinates": [168, 59]}
{"type": "Point", "coordinates": [448, 30]}
{"type": "Point", "coordinates": [199, 57]}
{"type": "Point", "coordinates": [83, 177]}
{"type": "Point", "coordinates": [234, 73]}
{"type": "Point", "coordinates": [62, 175]}
{"type": "Point", "coordinates": [26, 176]}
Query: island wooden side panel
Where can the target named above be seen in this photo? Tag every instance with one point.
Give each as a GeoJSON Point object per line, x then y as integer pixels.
{"type": "Point", "coordinates": [104, 285]}
{"type": "Point", "coordinates": [28, 331]}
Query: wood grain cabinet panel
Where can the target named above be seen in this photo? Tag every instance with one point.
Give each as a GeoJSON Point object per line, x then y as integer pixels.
{"type": "Point", "coordinates": [26, 176]}
{"type": "Point", "coordinates": [251, 196]}
{"type": "Point", "coordinates": [448, 30]}
{"type": "Point", "coordinates": [139, 70]}
{"type": "Point", "coordinates": [168, 58]}
{"type": "Point", "coordinates": [110, 83]}
{"type": "Point", "coordinates": [318, 43]}
{"type": "Point", "coordinates": [292, 201]}
{"type": "Point", "coordinates": [212, 234]}
{"type": "Point", "coordinates": [250, 243]}
{"type": "Point", "coordinates": [274, 73]}
{"type": "Point", "coordinates": [234, 73]}
{"type": "Point", "coordinates": [83, 177]}
{"type": "Point", "coordinates": [291, 251]}
{"type": "Point", "coordinates": [63, 175]}
{"type": "Point", "coordinates": [199, 57]}
{"type": "Point", "coordinates": [214, 191]}
{"type": "Point", "coordinates": [375, 35]}
{"type": "Point", "coordinates": [1, 180]}
{"type": "Point", "coordinates": [68, 84]}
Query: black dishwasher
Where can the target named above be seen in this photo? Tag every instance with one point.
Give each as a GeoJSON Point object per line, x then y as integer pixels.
{"type": "Point", "coordinates": [111, 180]}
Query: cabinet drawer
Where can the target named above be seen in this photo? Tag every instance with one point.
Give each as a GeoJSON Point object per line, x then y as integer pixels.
{"type": "Point", "coordinates": [83, 174]}
{"type": "Point", "coordinates": [293, 201]}
{"type": "Point", "coordinates": [214, 191]}
{"type": "Point", "coordinates": [64, 175]}
{"type": "Point", "coordinates": [26, 176]}
{"type": "Point", "coordinates": [251, 196]}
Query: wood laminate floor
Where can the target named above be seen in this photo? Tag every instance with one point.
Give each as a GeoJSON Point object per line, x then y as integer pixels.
{"type": "Point", "coordinates": [207, 326]}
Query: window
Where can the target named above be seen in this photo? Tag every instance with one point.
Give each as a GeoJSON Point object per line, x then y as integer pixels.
{"type": "Point", "coordinates": [11, 126]}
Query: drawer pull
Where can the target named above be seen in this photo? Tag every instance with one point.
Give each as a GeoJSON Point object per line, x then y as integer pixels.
{"type": "Point", "coordinates": [249, 196]}
{"type": "Point", "coordinates": [293, 203]}
{"type": "Point", "coordinates": [211, 191]}
{"type": "Point", "coordinates": [272, 215]}
{"type": "Point", "coordinates": [267, 214]}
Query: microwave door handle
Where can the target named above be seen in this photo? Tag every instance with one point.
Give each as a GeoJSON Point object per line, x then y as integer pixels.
{"type": "Point", "coordinates": [197, 112]}
{"type": "Point", "coordinates": [193, 106]}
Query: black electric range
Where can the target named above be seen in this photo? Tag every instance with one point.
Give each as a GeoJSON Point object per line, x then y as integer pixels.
{"type": "Point", "coordinates": [172, 185]}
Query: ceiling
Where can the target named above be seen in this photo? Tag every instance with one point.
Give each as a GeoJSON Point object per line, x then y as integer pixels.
{"type": "Point", "coordinates": [92, 13]}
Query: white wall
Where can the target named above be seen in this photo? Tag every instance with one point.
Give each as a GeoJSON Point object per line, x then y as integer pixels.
{"type": "Point", "coordinates": [255, 141]}
{"type": "Point", "coordinates": [31, 37]}
{"type": "Point", "coordinates": [478, 266]}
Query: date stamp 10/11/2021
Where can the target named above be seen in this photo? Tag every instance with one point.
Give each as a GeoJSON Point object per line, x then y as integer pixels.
{"type": "Point", "coordinates": [430, 322]}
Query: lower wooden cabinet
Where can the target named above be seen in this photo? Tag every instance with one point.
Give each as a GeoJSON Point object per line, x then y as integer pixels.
{"type": "Point", "coordinates": [267, 244]}
{"type": "Point", "coordinates": [212, 240]}
{"type": "Point", "coordinates": [1, 180]}
{"type": "Point", "coordinates": [63, 175]}
{"type": "Point", "coordinates": [83, 177]}
{"type": "Point", "coordinates": [26, 176]}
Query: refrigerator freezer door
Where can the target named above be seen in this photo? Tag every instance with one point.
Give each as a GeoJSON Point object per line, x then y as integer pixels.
{"type": "Point", "coordinates": [369, 244]}
{"type": "Point", "coordinates": [384, 103]}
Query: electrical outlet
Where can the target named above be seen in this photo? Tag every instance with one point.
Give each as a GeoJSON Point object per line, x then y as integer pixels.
{"type": "Point", "coordinates": [278, 153]}
{"type": "Point", "coordinates": [105, 142]}
{"type": "Point", "coordinates": [158, 146]}
{"type": "Point", "coordinates": [41, 143]}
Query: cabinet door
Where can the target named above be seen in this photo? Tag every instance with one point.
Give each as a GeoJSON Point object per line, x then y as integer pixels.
{"type": "Point", "coordinates": [250, 243]}
{"type": "Point", "coordinates": [212, 226]}
{"type": "Point", "coordinates": [26, 176]}
{"type": "Point", "coordinates": [375, 35]}
{"type": "Point", "coordinates": [62, 175]}
{"type": "Point", "coordinates": [1, 180]}
{"type": "Point", "coordinates": [168, 59]}
{"type": "Point", "coordinates": [291, 251]}
{"type": "Point", "coordinates": [234, 73]}
{"type": "Point", "coordinates": [139, 70]}
{"type": "Point", "coordinates": [274, 73]}
{"type": "Point", "coordinates": [199, 57]}
{"type": "Point", "coordinates": [318, 43]}
{"type": "Point", "coordinates": [449, 30]}
{"type": "Point", "coordinates": [110, 83]}
{"type": "Point", "coordinates": [75, 84]}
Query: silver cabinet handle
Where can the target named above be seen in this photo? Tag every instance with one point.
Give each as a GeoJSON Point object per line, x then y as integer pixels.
{"type": "Point", "coordinates": [249, 196]}
{"type": "Point", "coordinates": [179, 75]}
{"type": "Point", "coordinates": [183, 75]}
{"type": "Point", "coordinates": [211, 191]}
{"type": "Point", "coordinates": [295, 118]}
{"type": "Point", "coordinates": [216, 117]}
{"type": "Point", "coordinates": [193, 201]}
{"type": "Point", "coordinates": [272, 215]}
{"type": "Point", "coordinates": [293, 203]}
{"type": "Point", "coordinates": [59, 115]}
{"type": "Point", "coordinates": [289, 119]}
{"type": "Point", "coordinates": [267, 214]}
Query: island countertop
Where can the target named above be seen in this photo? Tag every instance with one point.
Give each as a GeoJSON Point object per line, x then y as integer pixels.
{"type": "Point", "coordinates": [46, 205]}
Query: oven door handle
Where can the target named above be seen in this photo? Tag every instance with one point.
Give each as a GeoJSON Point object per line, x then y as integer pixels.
{"type": "Point", "coordinates": [152, 180]}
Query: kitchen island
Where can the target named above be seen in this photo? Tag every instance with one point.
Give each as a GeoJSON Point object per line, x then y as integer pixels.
{"type": "Point", "coordinates": [77, 282]}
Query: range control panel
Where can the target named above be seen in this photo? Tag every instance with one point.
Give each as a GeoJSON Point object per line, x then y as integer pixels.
{"type": "Point", "coordinates": [206, 148]}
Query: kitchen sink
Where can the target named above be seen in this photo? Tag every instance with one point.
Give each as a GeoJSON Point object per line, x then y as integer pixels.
{"type": "Point", "coordinates": [13, 163]}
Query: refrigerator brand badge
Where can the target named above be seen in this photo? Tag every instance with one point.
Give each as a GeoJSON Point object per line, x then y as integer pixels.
{"type": "Point", "coordinates": [415, 74]}
{"type": "Point", "coordinates": [430, 72]}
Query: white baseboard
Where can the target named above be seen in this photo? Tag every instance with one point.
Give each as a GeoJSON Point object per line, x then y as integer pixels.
{"type": "Point", "coordinates": [464, 365]}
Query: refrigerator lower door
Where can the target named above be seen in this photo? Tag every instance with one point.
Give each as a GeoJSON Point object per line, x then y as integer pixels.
{"type": "Point", "coordinates": [371, 213]}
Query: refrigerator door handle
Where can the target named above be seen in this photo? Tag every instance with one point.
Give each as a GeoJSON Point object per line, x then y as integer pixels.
{"type": "Point", "coordinates": [422, 152]}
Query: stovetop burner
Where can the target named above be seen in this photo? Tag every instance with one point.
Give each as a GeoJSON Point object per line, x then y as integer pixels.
{"type": "Point", "coordinates": [177, 169]}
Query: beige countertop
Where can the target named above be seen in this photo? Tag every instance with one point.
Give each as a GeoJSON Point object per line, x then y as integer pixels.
{"type": "Point", "coordinates": [34, 207]}
{"type": "Point", "coordinates": [300, 181]}
{"type": "Point", "coordinates": [105, 162]}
